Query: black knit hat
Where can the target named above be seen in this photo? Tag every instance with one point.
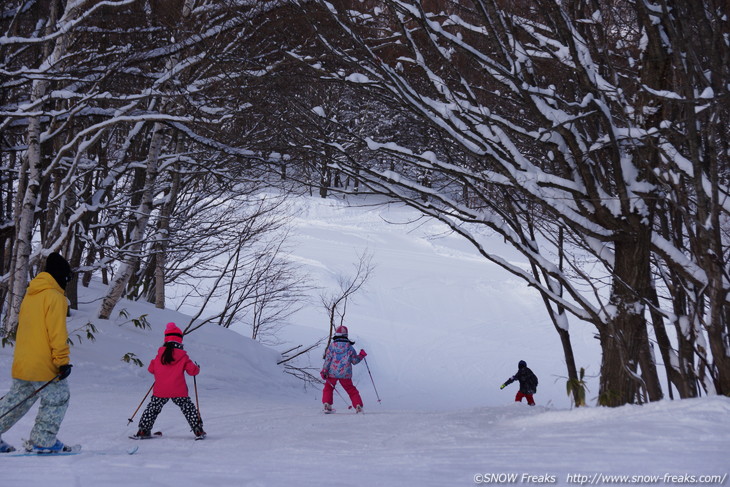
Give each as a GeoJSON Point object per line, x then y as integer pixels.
{"type": "Point", "coordinates": [59, 268]}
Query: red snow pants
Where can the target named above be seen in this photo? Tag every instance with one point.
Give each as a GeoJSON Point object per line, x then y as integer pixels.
{"type": "Point", "coordinates": [530, 400]}
{"type": "Point", "coordinates": [347, 385]}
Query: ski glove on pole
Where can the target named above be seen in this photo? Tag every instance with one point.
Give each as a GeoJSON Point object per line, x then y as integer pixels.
{"type": "Point", "coordinates": [362, 353]}
{"type": "Point", "coordinates": [64, 371]}
{"type": "Point", "coordinates": [323, 374]}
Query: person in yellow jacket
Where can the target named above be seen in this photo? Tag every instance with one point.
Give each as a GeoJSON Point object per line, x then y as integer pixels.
{"type": "Point", "coordinates": [41, 359]}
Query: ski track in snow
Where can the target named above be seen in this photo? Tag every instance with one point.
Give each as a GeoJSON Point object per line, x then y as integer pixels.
{"type": "Point", "coordinates": [443, 329]}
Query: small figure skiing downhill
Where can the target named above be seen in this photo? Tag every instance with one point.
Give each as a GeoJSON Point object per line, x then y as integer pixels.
{"type": "Point", "coordinates": [169, 368]}
{"type": "Point", "coordinates": [528, 383]}
{"type": "Point", "coordinates": [337, 366]}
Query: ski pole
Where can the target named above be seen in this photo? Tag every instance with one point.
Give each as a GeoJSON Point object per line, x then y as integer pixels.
{"type": "Point", "coordinates": [197, 404]}
{"type": "Point", "coordinates": [140, 404]}
{"type": "Point", "coordinates": [34, 393]}
{"type": "Point", "coordinates": [334, 388]}
{"type": "Point", "coordinates": [371, 378]}
{"type": "Point", "coordinates": [341, 396]}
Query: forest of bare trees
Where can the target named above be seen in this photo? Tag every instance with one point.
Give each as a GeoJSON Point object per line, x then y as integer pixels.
{"type": "Point", "coordinates": [130, 141]}
{"type": "Point", "coordinates": [145, 139]}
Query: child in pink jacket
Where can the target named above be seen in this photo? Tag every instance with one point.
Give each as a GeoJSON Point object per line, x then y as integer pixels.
{"type": "Point", "coordinates": [169, 368]}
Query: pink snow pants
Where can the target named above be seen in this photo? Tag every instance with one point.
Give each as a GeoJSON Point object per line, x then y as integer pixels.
{"type": "Point", "coordinates": [329, 389]}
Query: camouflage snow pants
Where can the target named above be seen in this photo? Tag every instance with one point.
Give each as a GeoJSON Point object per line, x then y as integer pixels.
{"type": "Point", "coordinates": [154, 408]}
{"type": "Point", "coordinates": [54, 402]}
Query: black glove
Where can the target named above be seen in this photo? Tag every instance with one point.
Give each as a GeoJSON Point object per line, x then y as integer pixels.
{"type": "Point", "coordinates": [64, 371]}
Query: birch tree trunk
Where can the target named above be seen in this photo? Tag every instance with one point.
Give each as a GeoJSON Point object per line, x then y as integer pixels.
{"type": "Point", "coordinates": [24, 224]}
{"type": "Point", "coordinates": [121, 278]}
{"type": "Point", "coordinates": [163, 240]}
{"type": "Point", "coordinates": [25, 219]}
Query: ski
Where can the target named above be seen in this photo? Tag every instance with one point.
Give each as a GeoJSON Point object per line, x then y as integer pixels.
{"type": "Point", "coordinates": [156, 434]}
{"type": "Point", "coordinates": [332, 411]}
{"type": "Point", "coordinates": [36, 454]}
{"type": "Point", "coordinates": [128, 451]}
{"type": "Point", "coordinates": [73, 450]}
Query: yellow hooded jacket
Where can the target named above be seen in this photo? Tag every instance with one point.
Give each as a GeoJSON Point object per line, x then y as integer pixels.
{"type": "Point", "coordinates": [41, 345]}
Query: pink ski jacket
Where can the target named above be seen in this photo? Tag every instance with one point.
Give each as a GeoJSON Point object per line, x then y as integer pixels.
{"type": "Point", "coordinates": [170, 378]}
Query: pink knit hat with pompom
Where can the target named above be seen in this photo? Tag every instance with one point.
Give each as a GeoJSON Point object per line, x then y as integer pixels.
{"type": "Point", "coordinates": [173, 333]}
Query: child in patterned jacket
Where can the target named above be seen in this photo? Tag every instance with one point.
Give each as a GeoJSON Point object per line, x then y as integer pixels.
{"type": "Point", "coordinates": [337, 366]}
{"type": "Point", "coordinates": [169, 368]}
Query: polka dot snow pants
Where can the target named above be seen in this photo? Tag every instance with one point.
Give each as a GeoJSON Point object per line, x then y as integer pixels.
{"type": "Point", "coordinates": [154, 408]}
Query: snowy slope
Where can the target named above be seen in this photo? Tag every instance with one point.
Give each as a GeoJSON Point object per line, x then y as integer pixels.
{"type": "Point", "coordinates": [443, 329]}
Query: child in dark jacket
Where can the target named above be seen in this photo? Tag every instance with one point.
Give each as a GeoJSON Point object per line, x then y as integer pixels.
{"type": "Point", "coordinates": [528, 383]}
{"type": "Point", "coordinates": [169, 368]}
{"type": "Point", "coordinates": [337, 366]}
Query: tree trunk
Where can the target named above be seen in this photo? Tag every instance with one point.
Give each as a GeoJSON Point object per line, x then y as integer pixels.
{"type": "Point", "coordinates": [569, 362]}
{"type": "Point", "coordinates": [24, 222]}
{"type": "Point", "coordinates": [623, 338]}
{"type": "Point", "coordinates": [324, 179]}
{"type": "Point", "coordinates": [129, 264]}
{"type": "Point", "coordinates": [648, 367]}
{"type": "Point", "coordinates": [163, 242]}
{"type": "Point", "coordinates": [560, 321]}
{"type": "Point", "coordinates": [675, 372]}
{"type": "Point", "coordinates": [25, 210]}
{"type": "Point", "coordinates": [719, 341]}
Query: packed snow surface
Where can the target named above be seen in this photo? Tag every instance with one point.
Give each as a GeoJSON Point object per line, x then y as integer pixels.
{"type": "Point", "coordinates": [443, 329]}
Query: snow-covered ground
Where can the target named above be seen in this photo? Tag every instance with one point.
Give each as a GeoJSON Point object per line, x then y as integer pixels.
{"type": "Point", "coordinates": [443, 329]}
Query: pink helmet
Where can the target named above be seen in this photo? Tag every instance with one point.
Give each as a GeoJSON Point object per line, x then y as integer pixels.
{"type": "Point", "coordinates": [341, 331]}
